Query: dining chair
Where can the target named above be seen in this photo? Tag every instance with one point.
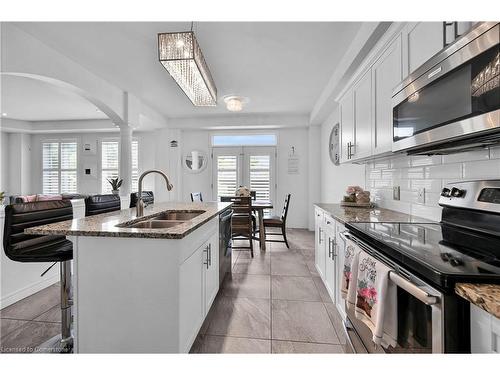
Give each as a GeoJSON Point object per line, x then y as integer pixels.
{"type": "Point", "coordinates": [278, 222]}
{"type": "Point", "coordinates": [196, 197]}
{"type": "Point", "coordinates": [242, 228]}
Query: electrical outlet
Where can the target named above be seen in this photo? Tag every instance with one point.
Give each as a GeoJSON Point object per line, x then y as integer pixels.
{"type": "Point", "coordinates": [396, 193]}
{"type": "Point", "coordinates": [421, 195]}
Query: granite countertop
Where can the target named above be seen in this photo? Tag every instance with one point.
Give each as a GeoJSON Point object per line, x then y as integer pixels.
{"type": "Point", "coordinates": [368, 214]}
{"type": "Point", "coordinates": [485, 296]}
{"type": "Point", "coordinates": [105, 225]}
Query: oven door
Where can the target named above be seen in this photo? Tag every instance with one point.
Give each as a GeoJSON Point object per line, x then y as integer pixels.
{"type": "Point", "coordinates": [420, 315]}
{"type": "Point", "coordinates": [454, 97]}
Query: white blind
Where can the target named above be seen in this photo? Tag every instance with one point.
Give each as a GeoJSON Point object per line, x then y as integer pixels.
{"type": "Point", "coordinates": [260, 176]}
{"type": "Point", "coordinates": [59, 164]}
{"type": "Point", "coordinates": [135, 166]}
{"type": "Point", "coordinates": [109, 164]}
{"type": "Point", "coordinates": [227, 178]}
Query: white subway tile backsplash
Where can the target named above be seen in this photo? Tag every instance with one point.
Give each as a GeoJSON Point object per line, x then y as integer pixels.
{"type": "Point", "coordinates": [495, 152]}
{"type": "Point", "coordinates": [412, 173]}
{"type": "Point", "coordinates": [444, 171]}
{"type": "Point", "coordinates": [400, 162]}
{"type": "Point", "coordinates": [418, 160]}
{"type": "Point", "coordinates": [466, 156]}
{"type": "Point", "coordinates": [482, 169]}
{"type": "Point", "coordinates": [430, 185]}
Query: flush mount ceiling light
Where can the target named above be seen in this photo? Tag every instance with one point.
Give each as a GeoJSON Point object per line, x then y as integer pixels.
{"type": "Point", "coordinates": [181, 55]}
{"type": "Point", "coordinates": [235, 103]}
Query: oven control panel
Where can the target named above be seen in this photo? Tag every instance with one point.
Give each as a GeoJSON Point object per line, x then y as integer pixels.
{"type": "Point", "coordinates": [483, 195]}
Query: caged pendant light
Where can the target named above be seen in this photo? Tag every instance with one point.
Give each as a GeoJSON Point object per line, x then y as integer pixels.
{"type": "Point", "coordinates": [181, 55]}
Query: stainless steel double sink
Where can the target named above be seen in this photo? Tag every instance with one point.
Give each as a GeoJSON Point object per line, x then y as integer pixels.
{"type": "Point", "coordinates": [167, 219]}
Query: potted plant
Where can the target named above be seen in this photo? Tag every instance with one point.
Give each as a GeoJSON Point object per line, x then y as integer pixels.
{"type": "Point", "coordinates": [115, 185]}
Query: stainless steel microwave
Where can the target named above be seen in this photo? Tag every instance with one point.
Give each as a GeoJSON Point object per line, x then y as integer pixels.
{"type": "Point", "coordinates": [452, 102]}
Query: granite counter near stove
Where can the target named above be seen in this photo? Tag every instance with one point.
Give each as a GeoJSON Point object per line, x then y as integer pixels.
{"type": "Point", "coordinates": [485, 296]}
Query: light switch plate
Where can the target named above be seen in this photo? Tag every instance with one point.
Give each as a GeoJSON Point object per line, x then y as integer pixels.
{"type": "Point", "coordinates": [421, 195]}
{"type": "Point", "coordinates": [396, 193]}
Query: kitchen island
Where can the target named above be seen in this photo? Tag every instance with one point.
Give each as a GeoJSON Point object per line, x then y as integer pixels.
{"type": "Point", "coordinates": [142, 285]}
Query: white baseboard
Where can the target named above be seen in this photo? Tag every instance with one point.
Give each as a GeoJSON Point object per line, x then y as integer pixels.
{"type": "Point", "coordinates": [27, 291]}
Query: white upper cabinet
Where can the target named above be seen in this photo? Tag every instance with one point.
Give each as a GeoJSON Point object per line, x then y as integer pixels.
{"type": "Point", "coordinates": [422, 41]}
{"type": "Point", "coordinates": [347, 126]}
{"type": "Point", "coordinates": [387, 73]}
{"type": "Point", "coordinates": [362, 92]}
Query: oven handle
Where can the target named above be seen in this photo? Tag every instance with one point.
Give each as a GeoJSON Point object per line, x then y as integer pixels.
{"type": "Point", "coordinates": [403, 283]}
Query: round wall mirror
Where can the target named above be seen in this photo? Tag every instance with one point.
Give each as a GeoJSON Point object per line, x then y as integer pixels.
{"type": "Point", "coordinates": [195, 161]}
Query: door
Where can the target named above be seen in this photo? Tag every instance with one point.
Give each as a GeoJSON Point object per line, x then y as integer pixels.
{"type": "Point", "coordinates": [386, 74]}
{"type": "Point", "coordinates": [347, 125]}
{"type": "Point", "coordinates": [330, 258]}
{"type": "Point", "coordinates": [362, 92]}
{"type": "Point", "coordinates": [253, 167]}
{"type": "Point", "coordinates": [191, 295]}
{"type": "Point", "coordinates": [340, 256]}
{"type": "Point", "coordinates": [423, 40]}
{"type": "Point", "coordinates": [211, 264]}
{"type": "Point", "coordinates": [319, 247]}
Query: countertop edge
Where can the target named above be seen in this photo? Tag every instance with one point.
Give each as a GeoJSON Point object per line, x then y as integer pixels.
{"type": "Point", "coordinates": [143, 233]}
{"type": "Point", "coordinates": [484, 296]}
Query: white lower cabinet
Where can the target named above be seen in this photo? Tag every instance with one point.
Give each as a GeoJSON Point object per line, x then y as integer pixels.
{"type": "Point", "coordinates": [340, 256]}
{"type": "Point", "coordinates": [330, 259]}
{"type": "Point", "coordinates": [319, 240]}
{"type": "Point", "coordinates": [198, 284]}
{"type": "Point", "coordinates": [329, 256]}
{"type": "Point", "coordinates": [485, 331]}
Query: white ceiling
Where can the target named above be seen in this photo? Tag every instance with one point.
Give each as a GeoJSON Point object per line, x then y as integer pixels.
{"type": "Point", "coordinates": [32, 100]}
{"type": "Point", "coordinates": [281, 67]}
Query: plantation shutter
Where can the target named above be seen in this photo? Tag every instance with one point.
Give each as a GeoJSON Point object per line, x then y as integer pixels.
{"type": "Point", "coordinates": [260, 176]}
{"type": "Point", "coordinates": [59, 164]}
{"type": "Point", "coordinates": [109, 164]}
{"type": "Point", "coordinates": [135, 166]}
{"type": "Point", "coordinates": [227, 175]}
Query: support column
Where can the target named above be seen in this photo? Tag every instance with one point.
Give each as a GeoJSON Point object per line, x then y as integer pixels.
{"type": "Point", "coordinates": [125, 159]}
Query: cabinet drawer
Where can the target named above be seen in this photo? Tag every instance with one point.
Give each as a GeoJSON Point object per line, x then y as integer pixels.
{"type": "Point", "coordinates": [329, 223]}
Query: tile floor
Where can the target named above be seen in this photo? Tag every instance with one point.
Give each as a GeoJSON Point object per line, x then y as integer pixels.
{"type": "Point", "coordinates": [273, 303]}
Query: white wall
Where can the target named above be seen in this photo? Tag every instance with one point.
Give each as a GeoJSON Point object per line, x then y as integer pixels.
{"type": "Point", "coordinates": [4, 162]}
{"type": "Point", "coordinates": [295, 184]}
{"type": "Point", "coordinates": [314, 169]}
{"type": "Point", "coordinates": [335, 179]}
{"type": "Point", "coordinates": [19, 166]}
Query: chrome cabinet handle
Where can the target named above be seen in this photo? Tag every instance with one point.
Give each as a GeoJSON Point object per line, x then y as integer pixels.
{"type": "Point", "coordinates": [334, 250]}
{"type": "Point", "coordinates": [209, 254]}
{"type": "Point", "coordinates": [319, 236]}
{"type": "Point", "coordinates": [207, 263]}
{"type": "Point", "coordinates": [330, 252]}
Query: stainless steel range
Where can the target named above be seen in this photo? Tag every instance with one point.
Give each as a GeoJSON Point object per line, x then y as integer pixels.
{"type": "Point", "coordinates": [428, 259]}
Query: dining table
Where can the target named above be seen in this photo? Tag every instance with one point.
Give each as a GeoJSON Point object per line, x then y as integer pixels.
{"type": "Point", "coordinates": [259, 206]}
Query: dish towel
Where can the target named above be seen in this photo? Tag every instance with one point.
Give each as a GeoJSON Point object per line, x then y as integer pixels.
{"type": "Point", "coordinates": [376, 300]}
{"type": "Point", "coordinates": [349, 273]}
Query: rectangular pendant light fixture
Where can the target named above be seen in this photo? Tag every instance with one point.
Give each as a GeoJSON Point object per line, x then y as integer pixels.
{"type": "Point", "coordinates": [181, 55]}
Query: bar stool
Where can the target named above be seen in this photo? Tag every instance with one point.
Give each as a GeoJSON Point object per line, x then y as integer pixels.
{"type": "Point", "coordinates": [21, 247]}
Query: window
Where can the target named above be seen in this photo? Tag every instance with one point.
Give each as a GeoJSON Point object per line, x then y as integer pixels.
{"type": "Point", "coordinates": [109, 164]}
{"type": "Point", "coordinates": [135, 166]}
{"type": "Point", "coordinates": [244, 140]}
{"type": "Point", "coordinates": [59, 164]}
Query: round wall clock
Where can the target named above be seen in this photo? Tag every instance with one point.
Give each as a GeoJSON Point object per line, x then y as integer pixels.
{"type": "Point", "coordinates": [333, 145]}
